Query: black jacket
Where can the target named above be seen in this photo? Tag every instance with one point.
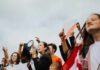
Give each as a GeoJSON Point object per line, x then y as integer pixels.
{"type": "Point", "coordinates": [42, 63]}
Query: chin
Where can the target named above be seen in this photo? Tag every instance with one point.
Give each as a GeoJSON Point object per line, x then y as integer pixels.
{"type": "Point", "coordinates": [92, 30]}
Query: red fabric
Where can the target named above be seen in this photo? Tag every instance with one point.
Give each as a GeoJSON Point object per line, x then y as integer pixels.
{"type": "Point", "coordinates": [79, 66]}
{"type": "Point", "coordinates": [71, 59]}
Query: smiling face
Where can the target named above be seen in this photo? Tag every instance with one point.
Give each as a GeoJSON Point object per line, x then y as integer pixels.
{"type": "Point", "coordinates": [93, 23]}
{"type": "Point", "coordinates": [14, 57]}
{"type": "Point", "coordinates": [41, 47]}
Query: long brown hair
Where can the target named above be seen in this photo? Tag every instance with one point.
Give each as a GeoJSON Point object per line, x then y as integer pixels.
{"type": "Point", "coordinates": [18, 58]}
{"type": "Point", "coordinates": [87, 39]}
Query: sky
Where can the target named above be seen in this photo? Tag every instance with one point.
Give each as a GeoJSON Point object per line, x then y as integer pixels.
{"type": "Point", "coordinates": [23, 20]}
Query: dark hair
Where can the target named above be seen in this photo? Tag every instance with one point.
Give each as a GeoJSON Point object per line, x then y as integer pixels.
{"type": "Point", "coordinates": [87, 39]}
{"type": "Point", "coordinates": [18, 58]}
{"type": "Point", "coordinates": [25, 55]}
{"type": "Point", "coordinates": [45, 45]}
{"type": "Point", "coordinates": [53, 46]}
{"type": "Point", "coordinates": [97, 15]}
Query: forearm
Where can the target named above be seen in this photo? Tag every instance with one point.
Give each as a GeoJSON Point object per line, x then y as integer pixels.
{"type": "Point", "coordinates": [6, 55]}
{"type": "Point", "coordinates": [64, 46]}
{"type": "Point", "coordinates": [64, 55]}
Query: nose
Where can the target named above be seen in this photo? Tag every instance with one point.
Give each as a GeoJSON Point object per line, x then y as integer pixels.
{"type": "Point", "coordinates": [89, 22]}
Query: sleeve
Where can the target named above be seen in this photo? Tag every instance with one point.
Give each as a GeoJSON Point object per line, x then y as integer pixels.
{"type": "Point", "coordinates": [64, 55]}
{"type": "Point", "coordinates": [72, 41]}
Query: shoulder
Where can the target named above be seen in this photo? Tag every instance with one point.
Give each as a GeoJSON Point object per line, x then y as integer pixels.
{"type": "Point", "coordinates": [46, 56]}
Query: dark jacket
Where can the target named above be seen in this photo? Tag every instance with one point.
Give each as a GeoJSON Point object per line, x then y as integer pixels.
{"type": "Point", "coordinates": [42, 63]}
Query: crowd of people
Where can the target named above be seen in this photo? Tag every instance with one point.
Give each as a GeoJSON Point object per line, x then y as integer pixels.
{"type": "Point", "coordinates": [78, 53]}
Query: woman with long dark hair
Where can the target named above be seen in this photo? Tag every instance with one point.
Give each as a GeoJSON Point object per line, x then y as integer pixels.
{"type": "Point", "coordinates": [13, 63]}
{"type": "Point", "coordinates": [93, 29]}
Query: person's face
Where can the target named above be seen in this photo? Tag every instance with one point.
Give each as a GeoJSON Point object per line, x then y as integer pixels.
{"type": "Point", "coordinates": [51, 49]}
{"type": "Point", "coordinates": [93, 23]}
{"type": "Point", "coordinates": [41, 47]}
{"type": "Point", "coordinates": [32, 51]}
{"type": "Point", "coordinates": [14, 57]}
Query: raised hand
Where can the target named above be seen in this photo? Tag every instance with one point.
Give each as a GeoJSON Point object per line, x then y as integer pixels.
{"type": "Point", "coordinates": [4, 49]}
{"type": "Point", "coordinates": [37, 39]}
{"type": "Point", "coordinates": [62, 35]}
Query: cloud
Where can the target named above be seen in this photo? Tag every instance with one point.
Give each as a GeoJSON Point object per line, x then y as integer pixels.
{"type": "Point", "coordinates": [22, 20]}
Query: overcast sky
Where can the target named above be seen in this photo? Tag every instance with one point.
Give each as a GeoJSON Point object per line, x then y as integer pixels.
{"type": "Point", "coordinates": [22, 20]}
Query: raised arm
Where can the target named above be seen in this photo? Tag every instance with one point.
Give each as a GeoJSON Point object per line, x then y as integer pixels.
{"type": "Point", "coordinates": [20, 49]}
{"type": "Point", "coordinates": [6, 55]}
{"type": "Point", "coordinates": [63, 41]}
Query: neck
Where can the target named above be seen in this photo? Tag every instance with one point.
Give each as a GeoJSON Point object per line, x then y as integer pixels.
{"type": "Point", "coordinates": [42, 53]}
{"type": "Point", "coordinates": [96, 36]}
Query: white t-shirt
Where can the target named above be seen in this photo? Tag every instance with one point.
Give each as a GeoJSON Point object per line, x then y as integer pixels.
{"type": "Point", "coordinates": [94, 56]}
{"type": "Point", "coordinates": [20, 66]}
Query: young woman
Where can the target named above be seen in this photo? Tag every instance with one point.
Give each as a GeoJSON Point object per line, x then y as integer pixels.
{"type": "Point", "coordinates": [91, 39]}
{"type": "Point", "coordinates": [45, 60]}
{"type": "Point", "coordinates": [14, 61]}
{"type": "Point", "coordinates": [93, 28]}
